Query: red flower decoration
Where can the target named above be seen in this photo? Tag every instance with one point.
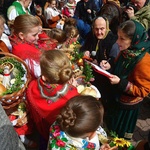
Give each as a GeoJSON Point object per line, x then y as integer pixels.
{"type": "Point", "coordinates": [60, 143]}
{"type": "Point", "coordinates": [90, 145]}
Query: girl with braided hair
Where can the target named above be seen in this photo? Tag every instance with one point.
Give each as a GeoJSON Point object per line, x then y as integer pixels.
{"type": "Point", "coordinates": [72, 40]}
{"type": "Point", "coordinates": [50, 92]}
{"type": "Point", "coordinates": [78, 125]}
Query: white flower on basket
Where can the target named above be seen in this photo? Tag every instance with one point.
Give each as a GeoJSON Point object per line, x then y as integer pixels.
{"type": "Point", "coordinates": [12, 81]}
{"type": "Point", "coordinates": [6, 77]}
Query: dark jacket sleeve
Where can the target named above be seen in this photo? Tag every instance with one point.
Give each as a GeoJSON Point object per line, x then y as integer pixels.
{"type": "Point", "coordinates": [89, 43]}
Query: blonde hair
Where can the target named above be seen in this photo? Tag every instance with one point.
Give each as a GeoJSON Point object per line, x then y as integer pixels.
{"type": "Point", "coordinates": [55, 67]}
{"type": "Point", "coordinates": [25, 23]}
{"type": "Point", "coordinates": [71, 32]}
{"type": "Point", "coordinates": [57, 34]}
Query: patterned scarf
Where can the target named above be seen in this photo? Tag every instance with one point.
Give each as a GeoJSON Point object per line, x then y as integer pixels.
{"type": "Point", "coordinates": [130, 57]}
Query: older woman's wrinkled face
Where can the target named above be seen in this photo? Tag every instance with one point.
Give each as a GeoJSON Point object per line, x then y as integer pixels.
{"type": "Point", "coordinates": [99, 28]}
{"type": "Point", "coordinates": [123, 41]}
{"type": "Point", "coordinates": [1, 28]}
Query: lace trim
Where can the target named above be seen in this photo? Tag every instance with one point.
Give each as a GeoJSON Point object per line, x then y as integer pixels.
{"type": "Point", "coordinates": [53, 98]}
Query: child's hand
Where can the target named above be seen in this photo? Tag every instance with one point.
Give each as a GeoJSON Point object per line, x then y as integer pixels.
{"type": "Point", "coordinates": [114, 79]}
{"type": "Point", "coordinates": [107, 147]}
{"type": "Point", "coordinates": [105, 65]}
{"type": "Point", "coordinates": [89, 11]}
{"type": "Point", "coordinates": [73, 82]}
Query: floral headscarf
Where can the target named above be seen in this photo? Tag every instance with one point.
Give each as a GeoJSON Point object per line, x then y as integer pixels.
{"type": "Point", "coordinates": [129, 58]}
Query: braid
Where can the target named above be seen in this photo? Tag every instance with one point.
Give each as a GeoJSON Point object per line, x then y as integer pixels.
{"type": "Point", "coordinates": [67, 118]}
{"type": "Point", "coordinates": [69, 40]}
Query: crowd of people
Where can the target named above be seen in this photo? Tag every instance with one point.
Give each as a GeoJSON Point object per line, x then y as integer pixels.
{"type": "Point", "coordinates": [39, 32]}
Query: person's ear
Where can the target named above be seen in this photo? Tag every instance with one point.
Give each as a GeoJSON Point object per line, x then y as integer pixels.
{"type": "Point", "coordinates": [21, 35]}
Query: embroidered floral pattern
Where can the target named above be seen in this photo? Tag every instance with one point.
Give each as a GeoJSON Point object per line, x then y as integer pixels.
{"type": "Point", "coordinates": [59, 140]}
{"type": "Point", "coordinates": [51, 87]}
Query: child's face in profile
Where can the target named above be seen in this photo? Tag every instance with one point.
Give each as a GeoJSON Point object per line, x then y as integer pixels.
{"type": "Point", "coordinates": [53, 4]}
{"type": "Point", "coordinates": [33, 35]}
{"type": "Point", "coordinates": [26, 3]}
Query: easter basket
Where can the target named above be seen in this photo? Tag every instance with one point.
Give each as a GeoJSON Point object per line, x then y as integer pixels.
{"type": "Point", "coordinates": [20, 75]}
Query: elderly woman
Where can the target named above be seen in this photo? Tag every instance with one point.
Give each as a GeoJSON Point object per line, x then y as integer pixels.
{"type": "Point", "coordinates": [102, 48]}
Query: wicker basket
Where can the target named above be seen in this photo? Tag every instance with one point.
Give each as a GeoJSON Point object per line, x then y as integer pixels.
{"type": "Point", "coordinates": [9, 101]}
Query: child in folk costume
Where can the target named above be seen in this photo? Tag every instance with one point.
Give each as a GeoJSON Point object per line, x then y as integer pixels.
{"type": "Point", "coordinates": [58, 35]}
{"type": "Point", "coordinates": [49, 93]}
{"type": "Point", "coordinates": [69, 8]}
{"type": "Point", "coordinates": [78, 126]}
{"type": "Point", "coordinates": [52, 14]}
{"type": "Point", "coordinates": [72, 34]}
{"type": "Point", "coordinates": [28, 41]}
{"type": "Point", "coordinates": [18, 7]}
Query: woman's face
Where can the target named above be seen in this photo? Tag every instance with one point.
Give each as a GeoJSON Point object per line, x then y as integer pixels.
{"type": "Point", "coordinates": [32, 36]}
{"type": "Point", "coordinates": [123, 41]}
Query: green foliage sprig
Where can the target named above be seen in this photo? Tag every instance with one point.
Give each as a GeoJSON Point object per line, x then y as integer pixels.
{"type": "Point", "coordinates": [76, 55]}
{"type": "Point", "coordinates": [87, 69]}
{"type": "Point", "coordinates": [88, 72]}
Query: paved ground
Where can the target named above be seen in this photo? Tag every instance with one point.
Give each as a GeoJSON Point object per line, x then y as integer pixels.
{"type": "Point", "coordinates": [143, 123]}
{"type": "Point", "coordinates": [142, 126]}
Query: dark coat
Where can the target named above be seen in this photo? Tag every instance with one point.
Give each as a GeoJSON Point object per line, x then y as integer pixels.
{"type": "Point", "coordinates": [104, 47]}
{"type": "Point", "coordinates": [104, 52]}
{"type": "Point", "coordinates": [81, 11]}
